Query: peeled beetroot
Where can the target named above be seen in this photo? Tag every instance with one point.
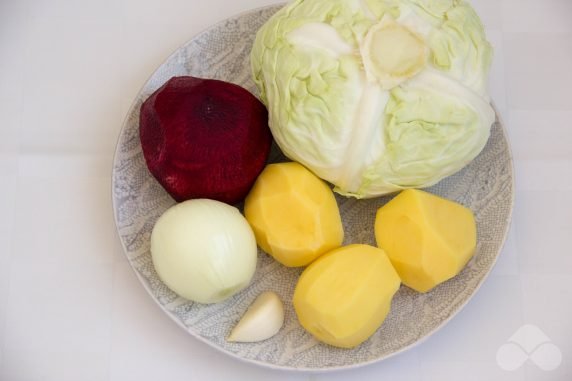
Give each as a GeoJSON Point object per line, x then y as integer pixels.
{"type": "Point", "coordinates": [204, 138]}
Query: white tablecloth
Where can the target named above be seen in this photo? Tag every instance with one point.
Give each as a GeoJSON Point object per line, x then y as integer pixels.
{"type": "Point", "coordinates": [72, 309]}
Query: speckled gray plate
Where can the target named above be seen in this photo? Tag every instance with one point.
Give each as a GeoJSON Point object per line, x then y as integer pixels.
{"type": "Point", "coordinates": [486, 186]}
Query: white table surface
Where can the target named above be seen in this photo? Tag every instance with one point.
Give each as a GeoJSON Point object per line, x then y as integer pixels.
{"type": "Point", "coordinates": [72, 309]}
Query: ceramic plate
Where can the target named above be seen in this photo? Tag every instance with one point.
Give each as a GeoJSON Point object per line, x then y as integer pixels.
{"type": "Point", "coordinates": [486, 186]}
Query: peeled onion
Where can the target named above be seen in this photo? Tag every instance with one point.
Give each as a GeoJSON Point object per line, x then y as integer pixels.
{"type": "Point", "coordinates": [204, 250]}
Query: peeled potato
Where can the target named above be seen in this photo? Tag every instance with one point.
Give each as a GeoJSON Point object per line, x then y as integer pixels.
{"type": "Point", "coordinates": [428, 239]}
{"type": "Point", "coordinates": [343, 297]}
{"type": "Point", "coordinates": [294, 214]}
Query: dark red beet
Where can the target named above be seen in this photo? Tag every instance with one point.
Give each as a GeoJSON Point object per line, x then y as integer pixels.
{"type": "Point", "coordinates": [204, 138]}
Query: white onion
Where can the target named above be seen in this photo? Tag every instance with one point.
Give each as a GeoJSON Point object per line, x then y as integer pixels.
{"type": "Point", "coordinates": [204, 250]}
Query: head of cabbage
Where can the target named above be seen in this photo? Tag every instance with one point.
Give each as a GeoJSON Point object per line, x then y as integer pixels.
{"type": "Point", "coordinates": [375, 96]}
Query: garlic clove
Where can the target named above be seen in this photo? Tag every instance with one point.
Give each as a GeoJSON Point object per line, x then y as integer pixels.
{"type": "Point", "coordinates": [262, 320]}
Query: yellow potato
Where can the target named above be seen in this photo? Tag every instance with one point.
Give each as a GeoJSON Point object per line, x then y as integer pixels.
{"type": "Point", "coordinates": [294, 214]}
{"type": "Point", "coordinates": [343, 297]}
{"type": "Point", "coordinates": [427, 238]}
